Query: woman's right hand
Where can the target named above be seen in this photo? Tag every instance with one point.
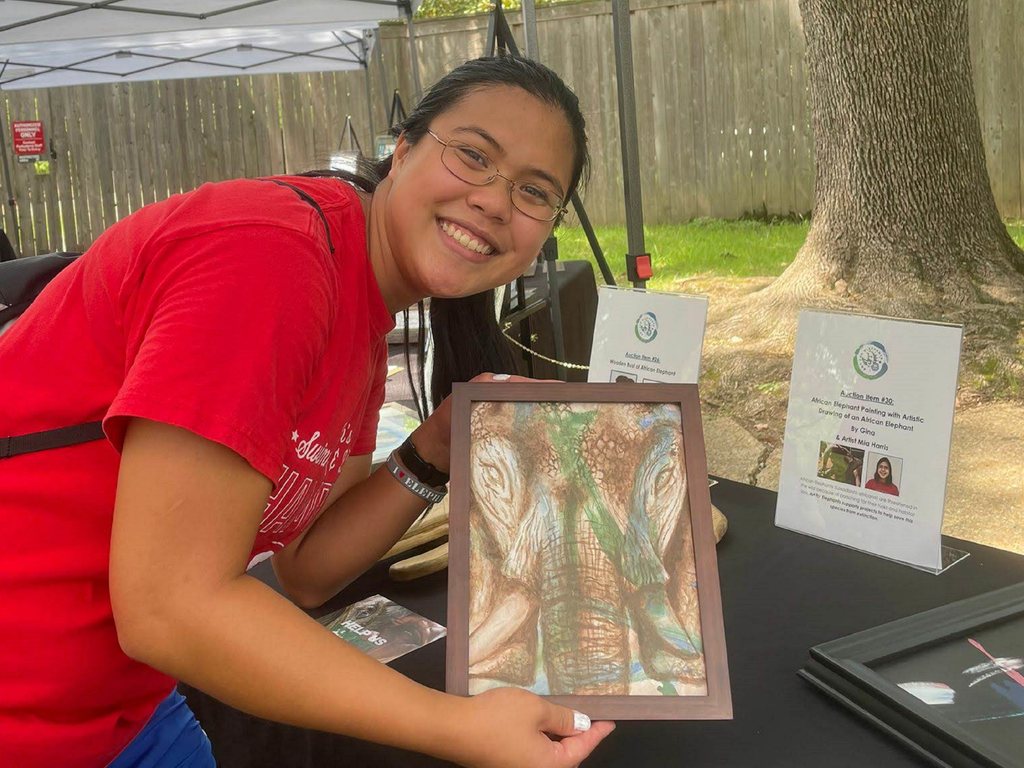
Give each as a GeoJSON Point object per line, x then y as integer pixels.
{"type": "Point", "coordinates": [508, 727]}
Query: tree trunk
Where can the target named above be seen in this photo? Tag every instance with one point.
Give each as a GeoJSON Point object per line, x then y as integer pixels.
{"type": "Point", "coordinates": [904, 222]}
{"type": "Point", "coordinates": [904, 217]}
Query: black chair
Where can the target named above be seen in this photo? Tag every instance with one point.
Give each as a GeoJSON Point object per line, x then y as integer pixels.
{"type": "Point", "coordinates": [7, 252]}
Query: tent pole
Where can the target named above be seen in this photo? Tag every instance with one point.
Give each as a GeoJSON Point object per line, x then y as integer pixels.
{"type": "Point", "coordinates": [628, 135]}
{"type": "Point", "coordinates": [532, 51]}
{"type": "Point", "coordinates": [369, 108]}
{"type": "Point", "coordinates": [549, 253]}
{"type": "Point", "coordinates": [384, 90]}
{"type": "Point", "coordinates": [372, 144]}
{"type": "Point", "coordinates": [413, 60]}
{"type": "Point", "coordinates": [11, 202]}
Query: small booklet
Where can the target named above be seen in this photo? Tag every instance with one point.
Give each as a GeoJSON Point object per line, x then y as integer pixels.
{"type": "Point", "coordinates": [382, 629]}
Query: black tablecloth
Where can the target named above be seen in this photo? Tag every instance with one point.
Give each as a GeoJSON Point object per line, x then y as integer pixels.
{"type": "Point", "coordinates": [782, 593]}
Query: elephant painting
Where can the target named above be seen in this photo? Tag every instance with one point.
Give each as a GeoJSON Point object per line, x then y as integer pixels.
{"type": "Point", "coordinates": [582, 575]}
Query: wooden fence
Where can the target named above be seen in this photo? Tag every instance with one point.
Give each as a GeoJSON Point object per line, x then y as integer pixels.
{"type": "Point", "coordinates": [118, 147]}
{"type": "Point", "coordinates": [722, 108]}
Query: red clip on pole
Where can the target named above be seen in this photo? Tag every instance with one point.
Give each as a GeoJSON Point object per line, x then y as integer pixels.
{"type": "Point", "coordinates": [643, 267]}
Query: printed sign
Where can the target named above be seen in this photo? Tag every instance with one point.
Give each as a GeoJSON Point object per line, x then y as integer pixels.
{"type": "Point", "coordinates": [868, 434]}
{"type": "Point", "coordinates": [650, 337]}
{"type": "Point", "coordinates": [28, 138]}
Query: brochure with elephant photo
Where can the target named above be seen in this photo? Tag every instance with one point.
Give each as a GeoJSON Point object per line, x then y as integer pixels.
{"type": "Point", "coordinates": [382, 629]}
{"type": "Point", "coordinates": [868, 432]}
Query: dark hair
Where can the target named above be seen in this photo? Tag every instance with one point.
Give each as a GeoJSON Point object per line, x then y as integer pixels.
{"type": "Point", "coordinates": [467, 339]}
{"type": "Point", "coordinates": [887, 481]}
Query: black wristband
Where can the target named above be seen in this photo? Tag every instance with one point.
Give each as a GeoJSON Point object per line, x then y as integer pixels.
{"type": "Point", "coordinates": [423, 470]}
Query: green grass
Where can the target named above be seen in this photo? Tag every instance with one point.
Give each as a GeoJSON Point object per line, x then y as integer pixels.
{"type": "Point", "coordinates": [707, 247]}
{"type": "Point", "coordinates": [1016, 230]}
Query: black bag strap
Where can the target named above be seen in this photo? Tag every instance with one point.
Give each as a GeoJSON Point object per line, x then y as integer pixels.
{"type": "Point", "coordinates": [50, 438]}
{"type": "Point", "coordinates": [63, 437]}
{"type": "Point", "coordinates": [316, 206]}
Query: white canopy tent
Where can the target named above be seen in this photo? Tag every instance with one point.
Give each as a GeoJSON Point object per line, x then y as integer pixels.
{"type": "Point", "coordinates": [186, 54]}
{"type": "Point", "coordinates": [88, 41]}
{"type": "Point", "coordinates": [50, 43]}
{"type": "Point", "coordinates": [46, 43]}
{"type": "Point", "coordinates": [33, 21]}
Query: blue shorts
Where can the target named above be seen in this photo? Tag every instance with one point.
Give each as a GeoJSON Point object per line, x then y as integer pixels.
{"type": "Point", "coordinates": [171, 739]}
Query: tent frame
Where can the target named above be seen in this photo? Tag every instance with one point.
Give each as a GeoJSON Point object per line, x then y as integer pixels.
{"type": "Point", "coordinates": [624, 80]}
{"type": "Point", "coordinates": [77, 6]}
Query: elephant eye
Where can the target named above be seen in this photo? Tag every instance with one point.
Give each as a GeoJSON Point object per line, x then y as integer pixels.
{"type": "Point", "coordinates": [491, 475]}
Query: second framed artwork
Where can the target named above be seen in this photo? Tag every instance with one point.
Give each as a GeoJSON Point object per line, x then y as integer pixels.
{"type": "Point", "coordinates": [582, 563]}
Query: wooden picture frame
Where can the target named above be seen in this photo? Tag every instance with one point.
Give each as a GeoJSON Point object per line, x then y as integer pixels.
{"type": "Point", "coordinates": [716, 703]}
{"type": "Point", "coordinates": [848, 670]}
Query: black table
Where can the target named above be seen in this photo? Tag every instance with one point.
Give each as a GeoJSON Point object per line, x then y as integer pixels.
{"type": "Point", "coordinates": [782, 593]}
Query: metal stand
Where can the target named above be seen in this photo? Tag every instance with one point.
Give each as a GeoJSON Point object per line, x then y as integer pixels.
{"type": "Point", "coordinates": [550, 255]}
{"type": "Point", "coordinates": [349, 132]}
{"type": "Point", "coordinates": [524, 324]}
{"type": "Point", "coordinates": [397, 109]}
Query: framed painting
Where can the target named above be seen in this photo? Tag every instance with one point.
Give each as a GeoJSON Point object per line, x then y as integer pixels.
{"type": "Point", "coordinates": [947, 683]}
{"type": "Point", "coordinates": [582, 562]}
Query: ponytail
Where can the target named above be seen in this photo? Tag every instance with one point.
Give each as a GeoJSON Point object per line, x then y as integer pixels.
{"type": "Point", "coordinates": [467, 341]}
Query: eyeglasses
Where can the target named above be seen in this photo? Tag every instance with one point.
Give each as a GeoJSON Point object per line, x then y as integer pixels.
{"type": "Point", "coordinates": [474, 167]}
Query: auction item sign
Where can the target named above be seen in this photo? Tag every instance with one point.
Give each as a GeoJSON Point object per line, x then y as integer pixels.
{"type": "Point", "coordinates": [650, 337]}
{"type": "Point", "coordinates": [868, 434]}
{"type": "Point", "coordinates": [28, 138]}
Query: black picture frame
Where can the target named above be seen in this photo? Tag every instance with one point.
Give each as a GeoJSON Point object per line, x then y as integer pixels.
{"type": "Point", "coordinates": [845, 670]}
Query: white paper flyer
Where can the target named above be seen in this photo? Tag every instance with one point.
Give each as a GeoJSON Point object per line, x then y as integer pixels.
{"type": "Point", "coordinates": [868, 432]}
{"type": "Point", "coordinates": [650, 337]}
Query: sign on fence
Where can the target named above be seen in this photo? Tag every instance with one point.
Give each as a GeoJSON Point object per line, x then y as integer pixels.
{"type": "Point", "coordinates": [28, 139]}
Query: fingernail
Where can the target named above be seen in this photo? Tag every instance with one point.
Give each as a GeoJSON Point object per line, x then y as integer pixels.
{"type": "Point", "coordinates": [501, 377]}
{"type": "Point", "coordinates": [580, 721]}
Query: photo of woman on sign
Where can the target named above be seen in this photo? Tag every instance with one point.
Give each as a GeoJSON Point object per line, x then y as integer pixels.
{"type": "Point", "coordinates": [883, 480]}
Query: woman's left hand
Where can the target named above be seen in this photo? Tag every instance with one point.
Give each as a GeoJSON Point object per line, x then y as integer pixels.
{"type": "Point", "coordinates": [433, 437]}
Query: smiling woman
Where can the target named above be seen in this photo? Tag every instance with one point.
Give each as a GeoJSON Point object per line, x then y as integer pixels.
{"type": "Point", "coordinates": [512, 129]}
{"type": "Point", "coordinates": [232, 341]}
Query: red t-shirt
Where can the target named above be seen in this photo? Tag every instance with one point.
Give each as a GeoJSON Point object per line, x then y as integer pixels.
{"type": "Point", "coordinates": [221, 311]}
{"type": "Point", "coordinates": [874, 485]}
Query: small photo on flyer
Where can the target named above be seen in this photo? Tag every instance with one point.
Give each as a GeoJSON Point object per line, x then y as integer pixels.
{"type": "Point", "coordinates": [883, 473]}
{"type": "Point", "coordinates": [840, 463]}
